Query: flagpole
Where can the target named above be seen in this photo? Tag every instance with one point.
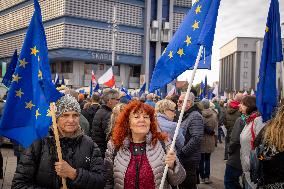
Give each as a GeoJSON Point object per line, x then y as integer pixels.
{"type": "Point", "coordinates": [56, 136]}
{"type": "Point", "coordinates": [114, 33]}
{"type": "Point", "coordinates": [182, 112]}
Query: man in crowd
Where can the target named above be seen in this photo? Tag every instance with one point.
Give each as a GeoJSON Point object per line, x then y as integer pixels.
{"type": "Point", "coordinates": [101, 120]}
{"type": "Point", "coordinates": [193, 129]}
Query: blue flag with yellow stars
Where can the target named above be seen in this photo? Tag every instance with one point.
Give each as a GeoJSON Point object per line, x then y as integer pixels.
{"type": "Point", "coordinates": [266, 96]}
{"type": "Point", "coordinates": [197, 28]}
{"type": "Point", "coordinates": [26, 115]}
{"type": "Point", "coordinates": [7, 79]}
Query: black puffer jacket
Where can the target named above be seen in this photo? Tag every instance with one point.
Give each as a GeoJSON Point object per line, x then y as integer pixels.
{"type": "Point", "coordinates": [193, 130]}
{"type": "Point", "coordinates": [36, 167]}
{"type": "Point", "coordinates": [90, 112]}
{"type": "Point", "coordinates": [100, 127]}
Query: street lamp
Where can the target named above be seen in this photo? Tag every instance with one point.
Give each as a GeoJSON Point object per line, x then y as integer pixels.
{"type": "Point", "coordinates": [113, 30]}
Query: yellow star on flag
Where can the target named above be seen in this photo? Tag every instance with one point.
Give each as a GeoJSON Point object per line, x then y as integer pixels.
{"type": "Point", "coordinates": [39, 74]}
{"type": "Point", "coordinates": [19, 93]}
{"type": "Point", "coordinates": [16, 78]}
{"type": "Point", "coordinates": [170, 54]}
{"type": "Point", "coordinates": [188, 40]}
{"type": "Point", "coordinates": [23, 63]}
{"type": "Point", "coordinates": [195, 25]}
{"type": "Point", "coordinates": [34, 51]}
{"type": "Point", "coordinates": [267, 29]}
{"type": "Point", "coordinates": [198, 9]}
{"type": "Point", "coordinates": [37, 113]}
{"type": "Point", "coordinates": [29, 105]}
{"type": "Point", "coordinates": [180, 52]}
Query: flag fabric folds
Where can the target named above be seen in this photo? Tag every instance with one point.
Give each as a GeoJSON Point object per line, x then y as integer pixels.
{"type": "Point", "coordinates": [26, 115]}
{"type": "Point", "coordinates": [62, 81]}
{"type": "Point", "coordinates": [266, 96]}
{"type": "Point", "coordinates": [197, 28]}
{"type": "Point", "coordinates": [107, 78]}
{"type": "Point", "coordinates": [7, 79]}
{"type": "Point", "coordinates": [205, 88]}
{"type": "Point", "coordinates": [201, 93]}
{"type": "Point", "coordinates": [56, 79]}
{"type": "Point", "coordinates": [125, 91]}
{"type": "Point", "coordinates": [142, 89]}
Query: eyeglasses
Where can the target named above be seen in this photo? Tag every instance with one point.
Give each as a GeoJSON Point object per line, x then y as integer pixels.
{"type": "Point", "coordinates": [181, 101]}
{"type": "Point", "coordinates": [171, 110]}
{"type": "Point", "coordinates": [115, 99]}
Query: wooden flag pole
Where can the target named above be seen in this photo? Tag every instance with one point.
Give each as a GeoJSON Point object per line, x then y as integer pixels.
{"type": "Point", "coordinates": [56, 136]}
{"type": "Point", "coordinates": [182, 112]}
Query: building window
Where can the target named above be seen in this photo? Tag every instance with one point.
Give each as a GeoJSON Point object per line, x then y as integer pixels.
{"type": "Point", "coordinates": [245, 45]}
{"type": "Point", "coordinates": [135, 71]}
{"type": "Point", "coordinates": [53, 67]}
{"type": "Point", "coordinates": [245, 85]}
{"type": "Point", "coordinates": [116, 70]}
{"type": "Point", "coordinates": [101, 67]}
{"type": "Point", "coordinates": [245, 75]}
{"type": "Point", "coordinates": [67, 67]}
{"type": "Point", "coordinates": [245, 54]}
{"type": "Point", "coordinates": [245, 64]}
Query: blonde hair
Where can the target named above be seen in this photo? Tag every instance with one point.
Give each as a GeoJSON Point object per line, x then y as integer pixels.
{"type": "Point", "coordinates": [274, 132]}
{"type": "Point", "coordinates": [115, 112]}
{"type": "Point", "coordinates": [164, 105]}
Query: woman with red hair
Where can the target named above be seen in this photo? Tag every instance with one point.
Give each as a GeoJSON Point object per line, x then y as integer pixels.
{"type": "Point", "coordinates": [135, 158]}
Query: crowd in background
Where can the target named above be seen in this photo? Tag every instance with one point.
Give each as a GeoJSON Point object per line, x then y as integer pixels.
{"type": "Point", "coordinates": [133, 138]}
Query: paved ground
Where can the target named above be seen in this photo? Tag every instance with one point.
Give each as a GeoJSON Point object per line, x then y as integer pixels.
{"type": "Point", "coordinates": [217, 169]}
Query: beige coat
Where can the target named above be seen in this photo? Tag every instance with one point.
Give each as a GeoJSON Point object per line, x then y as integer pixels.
{"type": "Point", "coordinates": [211, 121]}
{"type": "Point", "coordinates": [116, 168]}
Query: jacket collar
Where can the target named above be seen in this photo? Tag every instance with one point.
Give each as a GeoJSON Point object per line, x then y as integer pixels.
{"type": "Point", "coordinates": [127, 140]}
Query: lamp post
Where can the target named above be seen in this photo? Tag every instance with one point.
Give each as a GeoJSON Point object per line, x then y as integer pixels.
{"type": "Point", "coordinates": [113, 30]}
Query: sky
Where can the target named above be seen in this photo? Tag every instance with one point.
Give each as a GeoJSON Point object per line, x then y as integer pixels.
{"type": "Point", "coordinates": [236, 18]}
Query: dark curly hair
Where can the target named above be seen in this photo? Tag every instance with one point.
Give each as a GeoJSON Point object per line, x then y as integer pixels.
{"type": "Point", "coordinates": [121, 128]}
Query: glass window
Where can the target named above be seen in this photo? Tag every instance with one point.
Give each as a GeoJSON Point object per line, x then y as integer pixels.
{"type": "Point", "coordinates": [67, 67]}
{"type": "Point", "coordinates": [135, 71]}
{"type": "Point", "coordinates": [53, 67]}
{"type": "Point", "coordinates": [245, 54]}
{"type": "Point", "coordinates": [245, 45]}
{"type": "Point", "coordinates": [246, 64]}
{"type": "Point", "coordinates": [245, 75]}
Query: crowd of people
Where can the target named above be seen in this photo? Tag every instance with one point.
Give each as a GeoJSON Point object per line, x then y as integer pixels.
{"type": "Point", "coordinates": [109, 141]}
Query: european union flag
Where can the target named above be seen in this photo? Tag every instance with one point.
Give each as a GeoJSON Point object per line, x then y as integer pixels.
{"type": "Point", "coordinates": [266, 96]}
{"type": "Point", "coordinates": [27, 114]}
{"type": "Point", "coordinates": [7, 79]}
{"type": "Point", "coordinates": [126, 93]}
{"type": "Point", "coordinates": [205, 87]}
{"type": "Point", "coordinates": [197, 29]}
{"type": "Point", "coordinates": [201, 94]}
{"type": "Point", "coordinates": [142, 89]}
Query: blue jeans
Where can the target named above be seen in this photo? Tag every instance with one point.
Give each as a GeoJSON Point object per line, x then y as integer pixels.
{"type": "Point", "coordinates": [232, 178]}
{"type": "Point", "coordinates": [204, 165]}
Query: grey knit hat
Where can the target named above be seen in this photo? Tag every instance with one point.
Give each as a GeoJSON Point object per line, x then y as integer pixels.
{"type": "Point", "coordinates": [65, 104]}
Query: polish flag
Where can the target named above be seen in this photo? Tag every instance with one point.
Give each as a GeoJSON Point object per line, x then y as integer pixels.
{"type": "Point", "coordinates": [107, 79]}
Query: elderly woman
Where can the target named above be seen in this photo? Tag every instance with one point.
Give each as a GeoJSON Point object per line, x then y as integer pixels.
{"type": "Point", "coordinates": [253, 125]}
{"type": "Point", "coordinates": [165, 110]}
{"type": "Point", "coordinates": [82, 163]}
{"type": "Point", "coordinates": [136, 156]}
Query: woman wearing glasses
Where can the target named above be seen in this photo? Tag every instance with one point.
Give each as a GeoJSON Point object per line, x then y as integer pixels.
{"type": "Point", "coordinates": [135, 157]}
{"type": "Point", "coordinates": [165, 110]}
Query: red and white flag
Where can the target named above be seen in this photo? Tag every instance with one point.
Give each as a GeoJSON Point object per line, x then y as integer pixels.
{"type": "Point", "coordinates": [107, 78]}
